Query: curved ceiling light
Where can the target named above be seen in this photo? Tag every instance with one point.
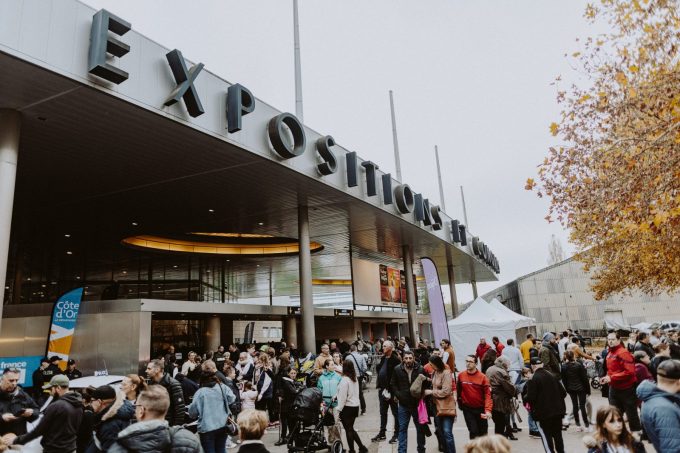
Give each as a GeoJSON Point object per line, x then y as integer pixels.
{"type": "Point", "coordinates": [221, 244]}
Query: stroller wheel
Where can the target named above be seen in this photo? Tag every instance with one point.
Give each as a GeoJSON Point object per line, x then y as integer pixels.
{"type": "Point", "coordinates": [336, 447]}
{"type": "Point", "coordinates": [595, 383]}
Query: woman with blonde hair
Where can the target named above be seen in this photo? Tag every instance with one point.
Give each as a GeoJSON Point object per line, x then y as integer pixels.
{"type": "Point", "coordinates": [264, 382]}
{"type": "Point", "coordinates": [132, 385]}
{"type": "Point", "coordinates": [611, 434]}
{"type": "Point", "coordinates": [494, 443]}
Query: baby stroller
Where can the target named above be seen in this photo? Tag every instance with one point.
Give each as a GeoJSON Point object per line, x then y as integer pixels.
{"type": "Point", "coordinates": [593, 369]}
{"type": "Point", "coordinates": [308, 433]}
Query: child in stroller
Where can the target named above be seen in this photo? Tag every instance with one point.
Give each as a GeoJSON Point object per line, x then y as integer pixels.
{"type": "Point", "coordinates": [311, 415]}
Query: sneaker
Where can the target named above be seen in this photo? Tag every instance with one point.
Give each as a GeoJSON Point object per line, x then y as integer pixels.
{"type": "Point", "coordinates": [534, 434]}
{"type": "Point", "coordinates": [379, 438]}
{"type": "Point", "coordinates": [589, 429]}
{"type": "Point", "coordinates": [394, 440]}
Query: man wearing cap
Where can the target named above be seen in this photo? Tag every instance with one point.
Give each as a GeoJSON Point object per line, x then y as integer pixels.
{"type": "Point", "coordinates": [546, 396]}
{"type": "Point", "coordinates": [60, 423]}
{"type": "Point", "coordinates": [113, 413]}
{"type": "Point", "coordinates": [548, 354]}
{"type": "Point", "coordinates": [16, 407]}
{"type": "Point", "coordinates": [661, 407]}
{"type": "Point", "coordinates": [41, 376]}
{"type": "Point", "coordinates": [71, 371]}
{"type": "Point", "coordinates": [54, 365]}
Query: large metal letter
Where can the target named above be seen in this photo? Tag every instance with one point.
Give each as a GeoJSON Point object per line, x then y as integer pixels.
{"type": "Point", "coordinates": [276, 135]}
{"type": "Point", "coordinates": [101, 43]}
{"type": "Point", "coordinates": [387, 188]}
{"type": "Point", "coordinates": [185, 83]}
{"type": "Point", "coordinates": [240, 102]}
{"type": "Point", "coordinates": [330, 163]}
{"type": "Point", "coordinates": [351, 160]}
{"type": "Point", "coordinates": [370, 177]}
{"type": "Point", "coordinates": [404, 198]}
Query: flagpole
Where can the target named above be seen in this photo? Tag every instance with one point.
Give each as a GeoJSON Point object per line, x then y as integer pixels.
{"type": "Point", "coordinates": [397, 163]}
{"type": "Point", "coordinates": [298, 64]}
{"type": "Point", "coordinates": [472, 265]}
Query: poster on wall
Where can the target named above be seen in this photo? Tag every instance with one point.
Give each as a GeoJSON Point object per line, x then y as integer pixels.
{"type": "Point", "coordinates": [26, 365]}
{"type": "Point", "coordinates": [390, 285]}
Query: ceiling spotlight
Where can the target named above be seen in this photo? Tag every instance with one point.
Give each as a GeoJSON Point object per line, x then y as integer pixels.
{"type": "Point", "coordinates": [174, 267]}
{"type": "Point", "coordinates": [28, 279]}
{"type": "Point", "coordinates": [53, 283]}
{"type": "Point", "coordinates": [228, 261]}
{"type": "Point", "coordinates": [211, 210]}
{"type": "Point", "coordinates": [124, 272]}
{"type": "Point", "coordinates": [68, 252]}
{"type": "Point", "coordinates": [260, 223]}
{"type": "Point", "coordinates": [67, 235]}
{"type": "Point", "coordinates": [78, 277]}
{"type": "Point", "coordinates": [135, 224]}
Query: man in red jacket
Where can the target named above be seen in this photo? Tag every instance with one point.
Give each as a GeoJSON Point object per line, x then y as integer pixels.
{"type": "Point", "coordinates": [621, 379]}
{"type": "Point", "coordinates": [474, 398]}
{"type": "Point", "coordinates": [482, 347]}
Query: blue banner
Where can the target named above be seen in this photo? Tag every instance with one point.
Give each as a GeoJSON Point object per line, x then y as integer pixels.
{"type": "Point", "coordinates": [26, 366]}
{"type": "Point", "coordinates": [63, 325]}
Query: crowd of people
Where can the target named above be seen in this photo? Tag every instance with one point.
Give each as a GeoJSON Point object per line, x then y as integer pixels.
{"type": "Point", "coordinates": [201, 403]}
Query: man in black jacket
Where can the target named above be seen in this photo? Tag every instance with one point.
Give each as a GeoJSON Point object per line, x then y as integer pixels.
{"type": "Point", "coordinates": [400, 385]}
{"type": "Point", "coordinates": [176, 413]}
{"type": "Point", "coordinates": [385, 370]}
{"type": "Point", "coordinates": [546, 396]}
{"type": "Point", "coordinates": [60, 423]}
{"type": "Point", "coordinates": [151, 434]}
{"type": "Point", "coordinates": [16, 407]}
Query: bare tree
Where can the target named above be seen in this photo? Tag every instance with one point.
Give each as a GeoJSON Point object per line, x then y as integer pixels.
{"type": "Point", "coordinates": [555, 250]}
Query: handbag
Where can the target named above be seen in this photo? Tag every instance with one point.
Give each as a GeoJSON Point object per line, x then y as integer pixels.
{"type": "Point", "coordinates": [446, 407]}
{"type": "Point", "coordinates": [230, 426]}
{"type": "Point", "coordinates": [423, 418]}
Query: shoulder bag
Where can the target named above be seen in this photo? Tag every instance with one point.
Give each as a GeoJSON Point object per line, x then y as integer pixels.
{"type": "Point", "coordinates": [231, 426]}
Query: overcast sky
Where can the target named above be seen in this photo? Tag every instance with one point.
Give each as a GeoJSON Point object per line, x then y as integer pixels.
{"type": "Point", "coordinates": [472, 77]}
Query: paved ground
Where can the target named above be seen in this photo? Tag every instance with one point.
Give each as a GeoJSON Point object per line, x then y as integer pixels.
{"type": "Point", "coordinates": [367, 426]}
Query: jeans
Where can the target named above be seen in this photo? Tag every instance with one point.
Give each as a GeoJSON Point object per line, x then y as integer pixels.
{"type": "Point", "coordinates": [476, 425]}
{"type": "Point", "coordinates": [214, 441]}
{"type": "Point", "coordinates": [533, 427]}
{"type": "Point", "coordinates": [578, 400]}
{"type": "Point", "coordinates": [445, 425]}
{"type": "Point", "coordinates": [626, 401]}
{"type": "Point", "coordinates": [347, 417]}
{"type": "Point", "coordinates": [404, 415]}
{"type": "Point", "coordinates": [551, 433]}
{"type": "Point", "coordinates": [384, 405]}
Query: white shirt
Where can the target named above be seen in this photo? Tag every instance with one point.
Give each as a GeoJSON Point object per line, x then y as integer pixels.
{"type": "Point", "coordinates": [562, 346]}
{"type": "Point", "coordinates": [348, 393]}
{"type": "Point", "coordinates": [515, 357]}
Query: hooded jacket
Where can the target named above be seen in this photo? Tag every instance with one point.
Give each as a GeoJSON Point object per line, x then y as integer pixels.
{"type": "Point", "coordinates": [546, 396]}
{"type": "Point", "coordinates": [502, 390]}
{"type": "Point", "coordinates": [13, 403]}
{"type": "Point", "coordinates": [155, 436]}
{"type": "Point", "coordinates": [549, 357]}
{"type": "Point", "coordinates": [109, 422]}
{"type": "Point", "coordinates": [328, 383]}
{"type": "Point", "coordinates": [620, 368]}
{"type": "Point", "coordinates": [660, 416]}
{"type": "Point", "coordinates": [59, 425]}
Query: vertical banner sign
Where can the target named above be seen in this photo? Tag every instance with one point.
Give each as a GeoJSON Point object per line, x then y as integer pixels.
{"type": "Point", "coordinates": [64, 317]}
{"type": "Point", "coordinates": [440, 328]}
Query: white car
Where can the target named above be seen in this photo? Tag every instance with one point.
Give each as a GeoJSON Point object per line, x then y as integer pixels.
{"type": "Point", "coordinates": [96, 381]}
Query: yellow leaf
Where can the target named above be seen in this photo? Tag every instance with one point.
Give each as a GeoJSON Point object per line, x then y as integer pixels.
{"type": "Point", "coordinates": [621, 78]}
{"type": "Point", "coordinates": [632, 92]}
{"type": "Point", "coordinates": [530, 184]}
{"type": "Point", "coordinates": [583, 98]}
{"type": "Point", "coordinates": [633, 68]}
{"type": "Point", "coordinates": [553, 129]}
{"type": "Point", "coordinates": [576, 54]}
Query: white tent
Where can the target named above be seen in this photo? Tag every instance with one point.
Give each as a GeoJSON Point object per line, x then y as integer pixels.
{"type": "Point", "coordinates": [524, 321]}
{"type": "Point", "coordinates": [482, 319]}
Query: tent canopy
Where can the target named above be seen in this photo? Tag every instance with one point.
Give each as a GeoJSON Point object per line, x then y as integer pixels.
{"type": "Point", "coordinates": [483, 320]}
{"type": "Point", "coordinates": [525, 321]}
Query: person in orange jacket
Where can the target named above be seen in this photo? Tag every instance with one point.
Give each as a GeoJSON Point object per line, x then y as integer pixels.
{"type": "Point", "coordinates": [474, 398]}
{"type": "Point", "coordinates": [622, 380]}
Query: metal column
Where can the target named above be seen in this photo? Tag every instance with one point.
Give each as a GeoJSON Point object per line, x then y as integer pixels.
{"type": "Point", "coordinates": [291, 331]}
{"type": "Point", "coordinates": [410, 296]}
{"type": "Point", "coordinates": [306, 300]}
{"type": "Point", "coordinates": [10, 126]}
{"type": "Point", "coordinates": [213, 333]}
{"type": "Point", "coordinates": [452, 290]}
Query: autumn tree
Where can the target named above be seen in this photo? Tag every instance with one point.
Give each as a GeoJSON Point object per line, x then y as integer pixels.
{"type": "Point", "coordinates": [613, 179]}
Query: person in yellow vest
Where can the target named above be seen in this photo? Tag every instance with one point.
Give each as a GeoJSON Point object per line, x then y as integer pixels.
{"type": "Point", "coordinates": [525, 347]}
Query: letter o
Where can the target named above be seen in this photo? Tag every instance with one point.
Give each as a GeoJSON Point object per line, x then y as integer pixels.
{"type": "Point", "coordinates": [403, 196]}
{"type": "Point", "coordinates": [276, 132]}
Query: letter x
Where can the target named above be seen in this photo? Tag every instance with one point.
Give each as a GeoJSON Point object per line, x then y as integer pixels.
{"type": "Point", "coordinates": [185, 83]}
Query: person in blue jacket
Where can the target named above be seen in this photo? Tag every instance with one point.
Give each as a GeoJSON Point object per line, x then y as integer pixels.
{"type": "Point", "coordinates": [661, 407]}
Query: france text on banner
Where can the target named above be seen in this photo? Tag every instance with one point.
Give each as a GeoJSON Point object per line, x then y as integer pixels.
{"type": "Point", "coordinates": [63, 325]}
{"type": "Point", "coordinates": [440, 328]}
